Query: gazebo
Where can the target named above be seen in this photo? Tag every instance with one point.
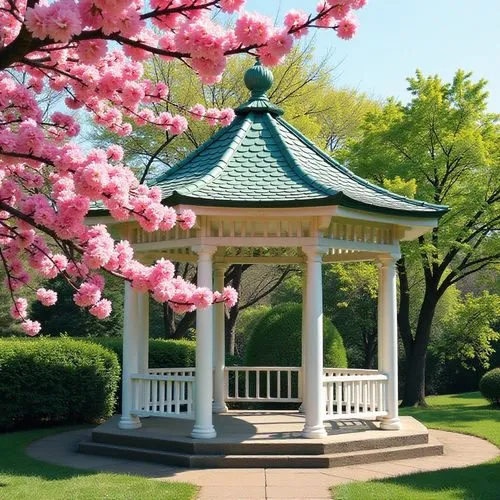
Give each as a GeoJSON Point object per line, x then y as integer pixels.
{"type": "Point", "coordinates": [263, 193]}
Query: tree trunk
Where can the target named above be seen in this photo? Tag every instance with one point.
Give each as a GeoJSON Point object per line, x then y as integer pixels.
{"type": "Point", "coordinates": [414, 389]}
{"type": "Point", "coordinates": [229, 330]}
{"type": "Point", "coordinates": [168, 321]}
{"type": "Point", "coordinates": [184, 325]}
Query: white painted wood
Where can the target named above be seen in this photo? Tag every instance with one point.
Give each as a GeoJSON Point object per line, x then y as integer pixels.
{"type": "Point", "coordinates": [302, 393]}
{"type": "Point", "coordinates": [131, 348]}
{"type": "Point", "coordinates": [164, 395]}
{"type": "Point", "coordinates": [262, 383]}
{"type": "Point", "coordinates": [314, 427]}
{"type": "Point", "coordinates": [354, 395]}
{"type": "Point", "coordinates": [388, 340]}
{"type": "Point", "coordinates": [219, 405]}
{"type": "Point", "coordinates": [203, 427]}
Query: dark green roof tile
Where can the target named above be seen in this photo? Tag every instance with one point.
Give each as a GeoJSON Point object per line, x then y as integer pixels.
{"type": "Point", "coordinates": [262, 161]}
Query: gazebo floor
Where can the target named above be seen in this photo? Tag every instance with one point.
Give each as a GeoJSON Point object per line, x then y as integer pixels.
{"type": "Point", "coordinates": [261, 439]}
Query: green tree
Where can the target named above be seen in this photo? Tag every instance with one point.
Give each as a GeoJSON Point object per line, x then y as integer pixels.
{"type": "Point", "coordinates": [468, 335]}
{"type": "Point", "coordinates": [446, 141]}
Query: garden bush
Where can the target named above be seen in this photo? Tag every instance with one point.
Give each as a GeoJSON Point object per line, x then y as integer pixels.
{"type": "Point", "coordinates": [490, 386]}
{"type": "Point", "coordinates": [276, 340]}
{"type": "Point", "coordinates": [167, 353]}
{"type": "Point", "coordinates": [55, 380]}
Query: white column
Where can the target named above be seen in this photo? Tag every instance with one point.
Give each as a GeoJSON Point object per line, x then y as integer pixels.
{"type": "Point", "coordinates": [131, 348]}
{"type": "Point", "coordinates": [315, 408]}
{"type": "Point", "coordinates": [303, 394]}
{"type": "Point", "coordinates": [143, 331]}
{"type": "Point", "coordinates": [203, 427]}
{"type": "Point", "coordinates": [388, 337]}
{"type": "Point", "coordinates": [219, 404]}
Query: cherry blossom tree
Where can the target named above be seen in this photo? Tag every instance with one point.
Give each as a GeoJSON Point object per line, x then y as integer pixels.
{"type": "Point", "coordinates": [92, 52]}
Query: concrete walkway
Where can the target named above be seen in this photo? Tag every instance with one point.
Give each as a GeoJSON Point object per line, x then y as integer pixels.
{"type": "Point", "coordinates": [235, 484]}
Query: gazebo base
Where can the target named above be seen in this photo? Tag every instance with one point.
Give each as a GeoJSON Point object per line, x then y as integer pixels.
{"type": "Point", "coordinates": [261, 439]}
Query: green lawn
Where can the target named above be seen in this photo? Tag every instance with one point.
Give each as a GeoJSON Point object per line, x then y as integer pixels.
{"type": "Point", "coordinates": [467, 413]}
{"type": "Point", "coordinates": [23, 478]}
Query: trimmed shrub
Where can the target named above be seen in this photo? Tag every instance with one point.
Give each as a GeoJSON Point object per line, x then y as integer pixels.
{"type": "Point", "coordinates": [276, 340]}
{"type": "Point", "coordinates": [245, 323]}
{"type": "Point", "coordinates": [167, 353]}
{"type": "Point", "coordinates": [490, 386]}
{"type": "Point", "coordinates": [55, 380]}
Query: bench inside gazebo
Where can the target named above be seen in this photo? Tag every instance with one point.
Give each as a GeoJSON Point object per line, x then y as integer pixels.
{"type": "Point", "coordinates": [264, 194]}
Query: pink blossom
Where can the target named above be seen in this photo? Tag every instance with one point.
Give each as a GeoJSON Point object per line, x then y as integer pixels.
{"type": "Point", "coordinates": [231, 6]}
{"type": "Point", "coordinates": [230, 296]}
{"type": "Point", "coordinates": [46, 297]}
{"type": "Point", "coordinates": [19, 308]}
{"type": "Point", "coordinates": [198, 112]}
{"type": "Point", "coordinates": [187, 219]}
{"type": "Point", "coordinates": [226, 116]}
{"type": "Point", "coordinates": [212, 116]}
{"type": "Point", "coordinates": [101, 309]}
{"type": "Point", "coordinates": [253, 29]}
{"type": "Point", "coordinates": [202, 298]}
{"type": "Point", "coordinates": [31, 328]}
{"type": "Point", "coordinates": [87, 295]}
{"type": "Point", "coordinates": [347, 27]}
{"type": "Point", "coordinates": [294, 19]}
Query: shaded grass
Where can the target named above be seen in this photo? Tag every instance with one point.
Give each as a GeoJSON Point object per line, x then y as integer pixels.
{"type": "Point", "coordinates": [22, 477]}
{"type": "Point", "coordinates": [468, 413]}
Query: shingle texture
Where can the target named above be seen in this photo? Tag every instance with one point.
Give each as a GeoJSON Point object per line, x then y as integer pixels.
{"type": "Point", "coordinates": [262, 161]}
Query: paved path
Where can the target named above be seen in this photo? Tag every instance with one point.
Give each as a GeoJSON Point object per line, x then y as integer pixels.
{"type": "Point", "coordinates": [235, 484]}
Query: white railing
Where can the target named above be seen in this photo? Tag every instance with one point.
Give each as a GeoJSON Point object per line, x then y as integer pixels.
{"type": "Point", "coordinates": [262, 383]}
{"type": "Point", "coordinates": [334, 372]}
{"type": "Point", "coordinates": [164, 393]}
{"type": "Point", "coordinates": [178, 372]}
{"type": "Point", "coordinates": [348, 393]}
{"type": "Point", "coordinates": [354, 395]}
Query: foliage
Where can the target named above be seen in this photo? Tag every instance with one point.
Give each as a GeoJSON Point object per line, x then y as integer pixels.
{"type": "Point", "coordinates": [47, 380]}
{"type": "Point", "coordinates": [245, 324]}
{"type": "Point", "coordinates": [162, 353]}
{"type": "Point", "coordinates": [276, 340]}
{"type": "Point", "coordinates": [467, 413]}
{"type": "Point", "coordinates": [490, 386]}
{"type": "Point", "coordinates": [350, 301]}
{"type": "Point", "coordinates": [22, 475]}
{"type": "Point", "coordinates": [446, 142]}
{"type": "Point", "coordinates": [68, 318]}
{"type": "Point", "coordinates": [468, 335]}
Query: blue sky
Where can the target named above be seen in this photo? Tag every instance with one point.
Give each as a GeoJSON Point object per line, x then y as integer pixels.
{"type": "Point", "coordinates": [398, 36]}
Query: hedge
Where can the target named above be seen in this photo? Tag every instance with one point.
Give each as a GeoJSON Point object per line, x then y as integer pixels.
{"type": "Point", "coordinates": [490, 386]}
{"type": "Point", "coordinates": [276, 340]}
{"type": "Point", "coordinates": [46, 380]}
{"type": "Point", "coordinates": [162, 353]}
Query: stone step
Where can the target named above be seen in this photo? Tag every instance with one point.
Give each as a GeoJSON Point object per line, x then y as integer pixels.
{"type": "Point", "coordinates": [175, 444]}
{"type": "Point", "coordinates": [260, 461]}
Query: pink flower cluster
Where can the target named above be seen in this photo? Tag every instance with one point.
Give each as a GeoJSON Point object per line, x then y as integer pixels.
{"type": "Point", "coordinates": [48, 183]}
{"type": "Point", "coordinates": [338, 14]}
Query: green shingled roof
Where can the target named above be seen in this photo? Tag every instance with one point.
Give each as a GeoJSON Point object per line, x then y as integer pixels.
{"type": "Point", "coordinates": [262, 161]}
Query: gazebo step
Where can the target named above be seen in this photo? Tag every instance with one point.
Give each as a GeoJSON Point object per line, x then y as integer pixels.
{"type": "Point", "coordinates": [176, 444]}
{"type": "Point", "coordinates": [258, 461]}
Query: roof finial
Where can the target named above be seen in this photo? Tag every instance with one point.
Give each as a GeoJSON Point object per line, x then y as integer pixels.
{"type": "Point", "coordinates": [258, 79]}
